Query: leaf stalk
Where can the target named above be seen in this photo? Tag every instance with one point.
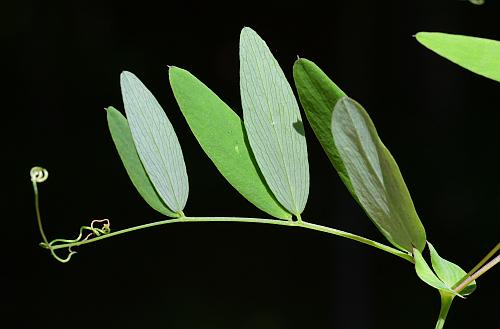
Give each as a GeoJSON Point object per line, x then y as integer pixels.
{"type": "Point", "coordinates": [301, 224]}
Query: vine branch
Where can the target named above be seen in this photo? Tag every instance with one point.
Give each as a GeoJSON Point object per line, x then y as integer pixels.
{"type": "Point", "coordinates": [279, 222]}
{"type": "Point", "coordinates": [39, 175]}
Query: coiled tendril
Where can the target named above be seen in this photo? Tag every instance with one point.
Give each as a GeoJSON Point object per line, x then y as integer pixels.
{"type": "Point", "coordinates": [40, 175]}
{"type": "Point", "coordinates": [94, 232]}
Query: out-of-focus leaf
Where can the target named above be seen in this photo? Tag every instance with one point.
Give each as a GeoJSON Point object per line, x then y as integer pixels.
{"type": "Point", "coordinates": [156, 142]}
{"type": "Point", "coordinates": [122, 137]}
{"type": "Point", "coordinates": [375, 176]}
{"type": "Point", "coordinates": [273, 123]}
{"type": "Point", "coordinates": [222, 136]}
{"type": "Point", "coordinates": [477, 2]}
{"type": "Point", "coordinates": [481, 56]}
{"type": "Point", "coordinates": [318, 96]}
{"type": "Point", "coordinates": [448, 272]}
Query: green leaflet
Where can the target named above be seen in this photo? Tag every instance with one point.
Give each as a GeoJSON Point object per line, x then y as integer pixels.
{"type": "Point", "coordinates": [122, 137]}
{"type": "Point", "coordinates": [481, 56]}
{"type": "Point", "coordinates": [156, 143]}
{"type": "Point", "coordinates": [375, 176]}
{"type": "Point", "coordinates": [273, 123]}
{"type": "Point", "coordinates": [222, 136]}
{"type": "Point", "coordinates": [451, 274]}
{"type": "Point", "coordinates": [318, 96]}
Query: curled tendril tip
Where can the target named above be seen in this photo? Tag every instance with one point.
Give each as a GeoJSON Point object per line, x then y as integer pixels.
{"type": "Point", "coordinates": [39, 174]}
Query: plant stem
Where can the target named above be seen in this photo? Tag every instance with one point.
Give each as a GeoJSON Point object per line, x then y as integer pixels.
{"type": "Point", "coordinates": [301, 223]}
{"type": "Point", "coordinates": [476, 272]}
{"type": "Point", "coordinates": [479, 272]}
{"type": "Point", "coordinates": [478, 266]}
{"type": "Point", "coordinates": [485, 259]}
{"type": "Point", "coordinates": [446, 300]}
{"type": "Point", "coordinates": [357, 238]}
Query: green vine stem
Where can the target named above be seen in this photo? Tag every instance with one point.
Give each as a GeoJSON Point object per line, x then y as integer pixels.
{"type": "Point", "coordinates": [477, 268]}
{"type": "Point", "coordinates": [39, 175]}
{"type": "Point", "coordinates": [482, 267]}
{"type": "Point", "coordinates": [302, 224]}
{"type": "Point", "coordinates": [446, 300]}
{"type": "Point", "coordinates": [478, 273]}
{"type": "Point", "coordinates": [485, 259]}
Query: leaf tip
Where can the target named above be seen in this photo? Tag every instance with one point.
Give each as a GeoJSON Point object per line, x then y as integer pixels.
{"type": "Point", "coordinates": [343, 102]}
{"type": "Point", "coordinates": [421, 36]}
{"type": "Point", "coordinates": [126, 77]}
{"type": "Point", "coordinates": [125, 74]}
{"type": "Point", "coordinates": [247, 32]}
{"type": "Point", "coordinates": [173, 69]}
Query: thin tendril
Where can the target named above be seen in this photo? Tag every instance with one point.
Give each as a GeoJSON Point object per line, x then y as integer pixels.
{"type": "Point", "coordinates": [94, 231]}
{"type": "Point", "coordinates": [40, 175]}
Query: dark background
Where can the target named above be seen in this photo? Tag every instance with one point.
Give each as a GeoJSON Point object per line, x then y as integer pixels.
{"type": "Point", "coordinates": [61, 67]}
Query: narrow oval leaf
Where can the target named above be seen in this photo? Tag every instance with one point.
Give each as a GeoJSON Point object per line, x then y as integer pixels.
{"type": "Point", "coordinates": [222, 136]}
{"type": "Point", "coordinates": [451, 274]}
{"type": "Point", "coordinates": [481, 56]}
{"type": "Point", "coordinates": [156, 142]}
{"type": "Point", "coordinates": [122, 137]}
{"type": "Point", "coordinates": [424, 272]}
{"type": "Point", "coordinates": [273, 123]}
{"type": "Point", "coordinates": [318, 96]}
{"type": "Point", "coordinates": [375, 176]}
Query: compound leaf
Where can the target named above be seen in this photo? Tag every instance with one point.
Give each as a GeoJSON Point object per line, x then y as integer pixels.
{"type": "Point", "coordinates": [481, 56]}
{"type": "Point", "coordinates": [222, 136]}
{"type": "Point", "coordinates": [375, 176]}
{"type": "Point", "coordinates": [156, 142]}
{"type": "Point", "coordinates": [273, 123]}
{"type": "Point", "coordinates": [122, 137]}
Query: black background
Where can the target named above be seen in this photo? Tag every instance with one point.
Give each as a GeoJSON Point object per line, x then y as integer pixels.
{"type": "Point", "coordinates": [61, 67]}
